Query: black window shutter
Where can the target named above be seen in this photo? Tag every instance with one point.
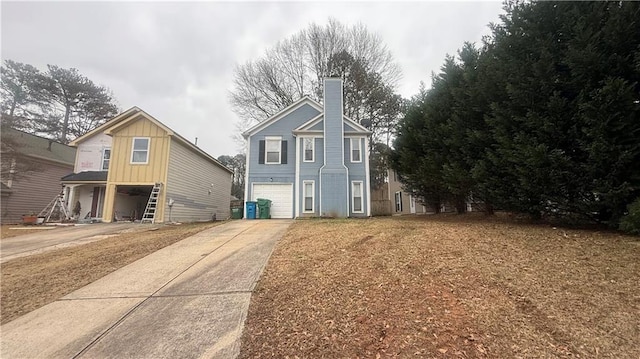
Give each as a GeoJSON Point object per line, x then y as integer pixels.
{"type": "Point", "coordinates": [261, 152]}
{"type": "Point", "coordinates": [283, 159]}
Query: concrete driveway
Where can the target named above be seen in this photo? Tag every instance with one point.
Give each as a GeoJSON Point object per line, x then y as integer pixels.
{"type": "Point", "coordinates": [188, 300]}
{"type": "Point", "coordinates": [33, 243]}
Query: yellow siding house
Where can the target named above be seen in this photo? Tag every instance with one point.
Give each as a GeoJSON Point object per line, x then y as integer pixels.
{"type": "Point", "coordinates": [119, 163]}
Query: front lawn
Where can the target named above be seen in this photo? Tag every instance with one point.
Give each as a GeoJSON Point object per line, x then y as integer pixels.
{"type": "Point", "coordinates": [446, 286]}
{"type": "Point", "coordinates": [28, 283]}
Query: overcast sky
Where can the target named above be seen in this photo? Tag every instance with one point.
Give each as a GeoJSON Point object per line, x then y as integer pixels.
{"type": "Point", "coordinates": [175, 60]}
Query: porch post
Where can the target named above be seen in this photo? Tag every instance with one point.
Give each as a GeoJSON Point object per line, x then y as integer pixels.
{"type": "Point", "coordinates": [71, 196]}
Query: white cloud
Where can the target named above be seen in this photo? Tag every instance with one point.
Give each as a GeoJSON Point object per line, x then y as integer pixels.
{"type": "Point", "coordinates": [176, 60]}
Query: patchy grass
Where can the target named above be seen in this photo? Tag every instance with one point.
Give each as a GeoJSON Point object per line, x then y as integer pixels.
{"type": "Point", "coordinates": [446, 287]}
{"type": "Point", "coordinates": [31, 282]}
{"type": "Point", "coordinates": [12, 230]}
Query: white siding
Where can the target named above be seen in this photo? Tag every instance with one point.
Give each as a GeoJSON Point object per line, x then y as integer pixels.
{"type": "Point", "coordinates": [89, 153]}
{"type": "Point", "coordinates": [199, 188]}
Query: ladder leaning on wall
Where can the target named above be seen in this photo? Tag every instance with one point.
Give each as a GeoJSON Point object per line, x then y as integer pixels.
{"type": "Point", "coordinates": [150, 211]}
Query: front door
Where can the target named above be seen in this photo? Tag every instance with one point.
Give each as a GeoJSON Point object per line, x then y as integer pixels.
{"type": "Point", "coordinates": [95, 201]}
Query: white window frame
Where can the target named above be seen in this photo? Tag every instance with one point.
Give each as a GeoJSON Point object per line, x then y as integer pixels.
{"type": "Point", "coordinates": [104, 150]}
{"type": "Point", "coordinates": [412, 204]}
{"type": "Point", "coordinates": [304, 149]}
{"type": "Point", "coordinates": [133, 150]}
{"type": "Point", "coordinates": [304, 196]}
{"type": "Point", "coordinates": [353, 197]}
{"type": "Point", "coordinates": [398, 201]}
{"type": "Point", "coordinates": [359, 148]}
{"type": "Point", "coordinates": [266, 152]}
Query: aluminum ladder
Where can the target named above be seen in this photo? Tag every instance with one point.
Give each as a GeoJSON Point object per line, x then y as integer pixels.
{"type": "Point", "coordinates": [55, 207]}
{"type": "Point", "coordinates": [150, 211]}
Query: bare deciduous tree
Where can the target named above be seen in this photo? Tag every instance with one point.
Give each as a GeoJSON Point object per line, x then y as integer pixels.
{"type": "Point", "coordinates": [296, 66]}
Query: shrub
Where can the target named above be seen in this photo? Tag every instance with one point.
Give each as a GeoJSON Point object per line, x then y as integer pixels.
{"type": "Point", "coordinates": [630, 222]}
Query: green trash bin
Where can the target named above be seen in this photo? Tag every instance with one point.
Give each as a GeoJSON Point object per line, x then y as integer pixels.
{"type": "Point", "coordinates": [236, 213]}
{"type": "Point", "coordinates": [264, 208]}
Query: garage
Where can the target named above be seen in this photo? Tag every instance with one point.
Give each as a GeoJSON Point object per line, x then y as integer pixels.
{"type": "Point", "coordinates": [281, 196]}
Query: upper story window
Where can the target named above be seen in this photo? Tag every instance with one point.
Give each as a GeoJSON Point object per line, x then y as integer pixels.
{"type": "Point", "coordinates": [272, 150]}
{"type": "Point", "coordinates": [309, 143]}
{"type": "Point", "coordinates": [140, 150]}
{"type": "Point", "coordinates": [356, 150]}
{"type": "Point", "coordinates": [106, 158]}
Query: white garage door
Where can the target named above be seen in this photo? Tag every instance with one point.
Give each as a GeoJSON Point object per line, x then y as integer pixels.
{"type": "Point", "coordinates": [281, 196]}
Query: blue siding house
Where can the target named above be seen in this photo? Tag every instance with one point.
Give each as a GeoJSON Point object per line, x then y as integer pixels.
{"type": "Point", "coordinates": [310, 160]}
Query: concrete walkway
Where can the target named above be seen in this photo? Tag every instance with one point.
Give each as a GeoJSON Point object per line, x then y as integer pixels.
{"type": "Point", "coordinates": [46, 240]}
{"type": "Point", "coordinates": [188, 300]}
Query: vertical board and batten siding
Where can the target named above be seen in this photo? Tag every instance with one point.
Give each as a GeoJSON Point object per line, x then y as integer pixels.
{"type": "Point", "coordinates": [190, 177]}
{"type": "Point", "coordinates": [123, 172]}
{"type": "Point", "coordinates": [34, 191]}
{"type": "Point", "coordinates": [282, 173]}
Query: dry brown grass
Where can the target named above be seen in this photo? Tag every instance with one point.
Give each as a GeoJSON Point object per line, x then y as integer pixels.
{"type": "Point", "coordinates": [28, 283]}
{"type": "Point", "coordinates": [12, 230]}
{"type": "Point", "coordinates": [446, 287]}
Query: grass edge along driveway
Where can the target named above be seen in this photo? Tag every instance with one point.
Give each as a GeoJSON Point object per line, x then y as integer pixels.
{"type": "Point", "coordinates": [28, 283]}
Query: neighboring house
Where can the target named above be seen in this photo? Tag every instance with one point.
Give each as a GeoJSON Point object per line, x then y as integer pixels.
{"type": "Point", "coordinates": [310, 160]}
{"type": "Point", "coordinates": [118, 164]}
{"type": "Point", "coordinates": [31, 184]}
{"type": "Point", "coordinates": [402, 202]}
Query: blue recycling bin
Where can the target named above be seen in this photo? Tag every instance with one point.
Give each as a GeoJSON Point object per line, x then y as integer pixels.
{"type": "Point", "coordinates": [251, 209]}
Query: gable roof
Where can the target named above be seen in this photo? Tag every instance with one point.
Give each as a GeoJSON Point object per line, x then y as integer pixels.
{"type": "Point", "coordinates": [135, 117]}
{"type": "Point", "coordinates": [41, 148]}
{"type": "Point", "coordinates": [119, 118]}
{"type": "Point", "coordinates": [307, 125]}
{"type": "Point", "coordinates": [306, 100]}
{"type": "Point", "coordinates": [358, 127]}
{"type": "Point", "coordinates": [134, 114]}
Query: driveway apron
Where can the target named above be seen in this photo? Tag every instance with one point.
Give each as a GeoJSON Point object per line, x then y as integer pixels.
{"type": "Point", "coordinates": [188, 300]}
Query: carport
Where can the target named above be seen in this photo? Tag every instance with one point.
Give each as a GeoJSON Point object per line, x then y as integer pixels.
{"type": "Point", "coordinates": [130, 202]}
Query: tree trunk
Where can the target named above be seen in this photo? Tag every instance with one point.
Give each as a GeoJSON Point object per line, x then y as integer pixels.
{"type": "Point", "coordinates": [436, 206]}
{"type": "Point", "coordinates": [461, 206]}
{"type": "Point", "coordinates": [488, 209]}
{"type": "Point", "coordinates": [13, 108]}
{"type": "Point", "coordinates": [65, 124]}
